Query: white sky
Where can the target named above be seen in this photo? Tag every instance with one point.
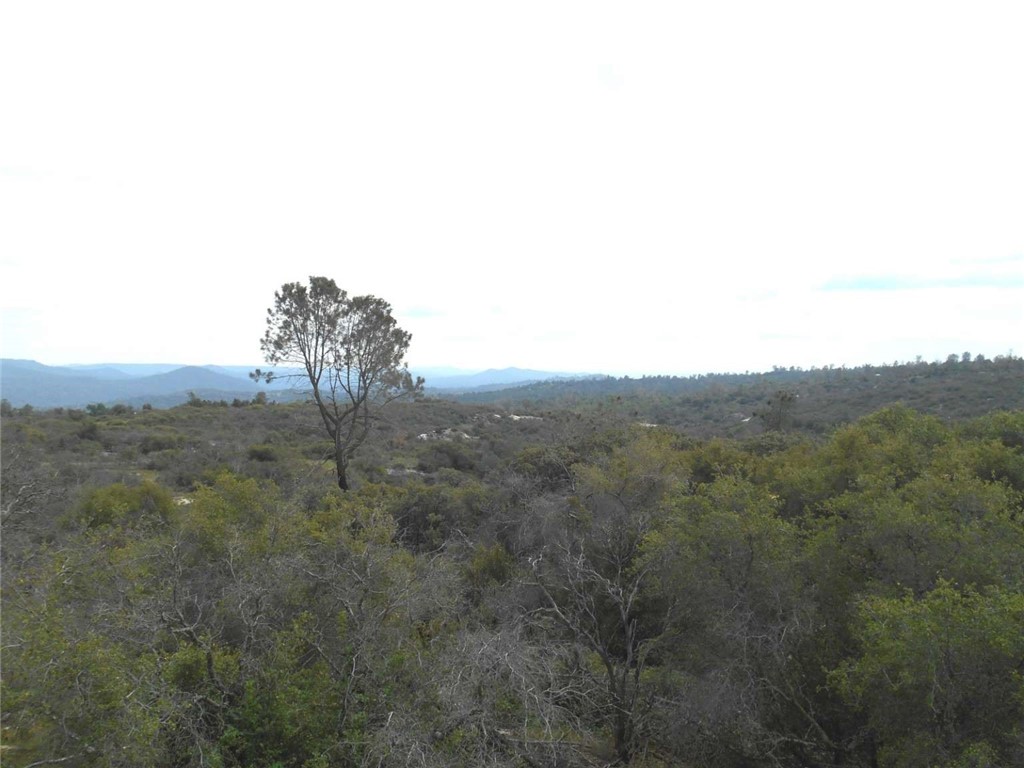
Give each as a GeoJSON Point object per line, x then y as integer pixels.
{"type": "Point", "coordinates": [630, 187]}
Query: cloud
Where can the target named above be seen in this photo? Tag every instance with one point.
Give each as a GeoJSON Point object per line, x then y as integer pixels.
{"type": "Point", "coordinates": [906, 283]}
{"type": "Point", "coordinates": [567, 186]}
{"type": "Point", "coordinates": [423, 312]}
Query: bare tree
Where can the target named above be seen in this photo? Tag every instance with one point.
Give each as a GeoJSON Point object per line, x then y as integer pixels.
{"type": "Point", "coordinates": [594, 573]}
{"type": "Point", "coordinates": [351, 351]}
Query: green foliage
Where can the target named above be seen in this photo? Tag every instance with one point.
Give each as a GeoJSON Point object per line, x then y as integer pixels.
{"type": "Point", "coordinates": [777, 414]}
{"type": "Point", "coordinates": [228, 509]}
{"type": "Point", "coordinates": [426, 516]}
{"type": "Point", "coordinates": [731, 581]}
{"type": "Point", "coordinates": [125, 505]}
{"type": "Point", "coordinates": [446, 454]}
{"type": "Point", "coordinates": [551, 466]}
{"type": "Point", "coordinates": [154, 442]}
{"type": "Point", "coordinates": [710, 405]}
{"type": "Point", "coordinates": [73, 693]}
{"type": "Point", "coordinates": [262, 452]}
{"type": "Point", "coordinates": [714, 459]}
{"type": "Point", "coordinates": [195, 401]}
{"type": "Point", "coordinates": [939, 675]}
{"type": "Point", "coordinates": [935, 527]}
{"type": "Point", "coordinates": [583, 589]}
{"type": "Point", "coordinates": [287, 714]}
{"type": "Point", "coordinates": [351, 350]}
{"type": "Point", "coordinates": [636, 473]}
{"type": "Point", "coordinates": [186, 669]}
{"type": "Point", "coordinates": [89, 430]}
{"type": "Point", "coordinates": [489, 566]}
{"type": "Point", "coordinates": [1005, 426]}
{"type": "Point", "coordinates": [892, 446]}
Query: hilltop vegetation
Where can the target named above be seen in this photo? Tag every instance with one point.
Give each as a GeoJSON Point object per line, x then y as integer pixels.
{"type": "Point", "coordinates": [541, 585]}
{"type": "Point", "coordinates": [819, 399]}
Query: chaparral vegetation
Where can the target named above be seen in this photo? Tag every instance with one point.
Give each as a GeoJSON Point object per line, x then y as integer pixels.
{"type": "Point", "coordinates": [190, 587]}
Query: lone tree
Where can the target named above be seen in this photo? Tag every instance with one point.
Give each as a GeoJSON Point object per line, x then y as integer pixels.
{"type": "Point", "coordinates": [351, 350]}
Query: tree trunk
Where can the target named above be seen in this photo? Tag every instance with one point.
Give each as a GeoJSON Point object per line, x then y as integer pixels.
{"type": "Point", "coordinates": [339, 464]}
{"type": "Point", "coordinates": [623, 748]}
{"type": "Point", "coordinates": [622, 729]}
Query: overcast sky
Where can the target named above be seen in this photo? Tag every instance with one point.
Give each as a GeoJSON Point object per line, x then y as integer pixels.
{"type": "Point", "coordinates": [630, 187]}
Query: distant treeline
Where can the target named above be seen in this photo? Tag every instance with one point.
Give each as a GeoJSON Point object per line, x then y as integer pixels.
{"type": "Point", "coordinates": [963, 386]}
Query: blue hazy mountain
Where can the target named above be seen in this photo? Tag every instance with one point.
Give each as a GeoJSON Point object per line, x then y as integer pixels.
{"type": "Point", "coordinates": [125, 370]}
{"type": "Point", "coordinates": [27, 382]}
{"type": "Point", "coordinates": [493, 378]}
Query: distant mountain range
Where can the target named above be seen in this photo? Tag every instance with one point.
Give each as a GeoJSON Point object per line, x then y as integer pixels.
{"type": "Point", "coordinates": [27, 382]}
{"type": "Point", "coordinates": [493, 379]}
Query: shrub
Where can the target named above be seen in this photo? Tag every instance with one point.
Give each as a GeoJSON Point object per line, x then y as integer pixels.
{"type": "Point", "coordinates": [123, 504]}
{"type": "Point", "coordinates": [263, 452]}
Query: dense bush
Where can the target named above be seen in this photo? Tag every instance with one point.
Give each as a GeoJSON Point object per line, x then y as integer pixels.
{"type": "Point", "coordinates": [195, 590]}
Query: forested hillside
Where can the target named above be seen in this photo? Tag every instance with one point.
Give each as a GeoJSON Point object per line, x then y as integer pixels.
{"type": "Point", "coordinates": [815, 400]}
{"type": "Point", "coordinates": [545, 584]}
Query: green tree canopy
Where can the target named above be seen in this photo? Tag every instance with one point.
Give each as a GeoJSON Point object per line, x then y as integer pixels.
{"type": "Point", "coordinates": [351, 351]}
